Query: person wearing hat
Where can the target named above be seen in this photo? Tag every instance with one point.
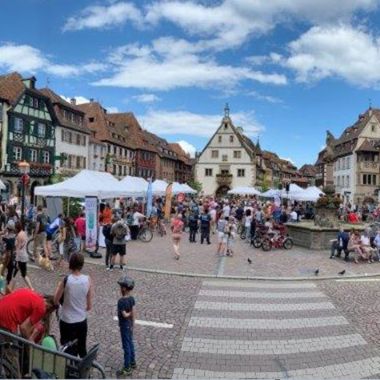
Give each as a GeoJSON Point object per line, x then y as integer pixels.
{"type": "Point", "coordinates": [126, 315]}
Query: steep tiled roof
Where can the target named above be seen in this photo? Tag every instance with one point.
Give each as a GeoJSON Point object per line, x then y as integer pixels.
{"type": "Point", "coordinates": [11, 87]}
{"type": "Point", "coordinates": [308, 170]}
{"type": "Point", "coordinates": [369, 146]}
{"type": "Point", "coordinates": [61, 103]}
{"type": "Point", "coordinates": [181, 154]}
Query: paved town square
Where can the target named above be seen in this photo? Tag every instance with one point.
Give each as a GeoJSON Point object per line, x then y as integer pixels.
{"type": "Point", "coordinates": [190, 189]}
{"type": "Point", "coordinates": [198, 327]}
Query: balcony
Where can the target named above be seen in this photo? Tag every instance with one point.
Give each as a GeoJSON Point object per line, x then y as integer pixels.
{"type": "Point", "coordinates": [369, 166]}
{"type": "Point", "coordinates": [224, 179]}
{"type": "Point", "coordinates": [36, 169]}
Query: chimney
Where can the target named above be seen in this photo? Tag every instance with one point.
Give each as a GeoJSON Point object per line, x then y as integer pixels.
{"type": "Point", "coordinates": [91, 100]}
{"type": "Point", "coordinates": [73, 101]}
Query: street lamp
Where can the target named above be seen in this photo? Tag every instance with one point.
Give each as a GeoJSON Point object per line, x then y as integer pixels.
{"type": "Point", "coordinates": [24, 168]}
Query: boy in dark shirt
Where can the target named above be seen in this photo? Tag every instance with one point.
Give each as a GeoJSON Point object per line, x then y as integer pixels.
{"type": "Point", "coordinates": [126, 316]}
{"type": "Point", "coordinates": [205, 220]}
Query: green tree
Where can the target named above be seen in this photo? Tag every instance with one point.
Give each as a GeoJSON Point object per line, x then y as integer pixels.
{"type": "Point", "coordinates": [195, 185]}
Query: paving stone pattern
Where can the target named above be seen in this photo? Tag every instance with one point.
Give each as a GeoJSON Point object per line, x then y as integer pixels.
{"type": "Point", "coordinates": [202, 259]}
{"type": "Point", "coordinates": [316, 341]}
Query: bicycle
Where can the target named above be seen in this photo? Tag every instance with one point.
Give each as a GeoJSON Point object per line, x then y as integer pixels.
{"type": "Point", "coordinates": [145, 233]}
{"type": "Point", "coordinates": [54, 248]}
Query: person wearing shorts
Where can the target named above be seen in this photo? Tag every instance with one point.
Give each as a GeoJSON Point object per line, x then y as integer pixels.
{"type": "Point", "coordinates": [119, 231]}
{"type": "Point", "coordinates": [222, 237]}
{"type": "Point", "coordinates": [21, 256]}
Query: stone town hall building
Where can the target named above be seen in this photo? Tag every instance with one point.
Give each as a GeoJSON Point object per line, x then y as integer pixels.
{"type": "Point", "coordinates": [228, 160]}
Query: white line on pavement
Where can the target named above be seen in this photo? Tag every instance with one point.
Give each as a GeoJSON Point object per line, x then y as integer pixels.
{"type": "Point", "coordinates": [150, 323]}
{"type": "Point", "coordinates": [258, 285]}
{"type": "Point", "coordinates": [359, 280]}
{"type": "Point", "coordinates": [270, 295]}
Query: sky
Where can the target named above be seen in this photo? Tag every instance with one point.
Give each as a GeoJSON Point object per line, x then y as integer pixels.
{"type": "Point", "coordinates": [289, 69]}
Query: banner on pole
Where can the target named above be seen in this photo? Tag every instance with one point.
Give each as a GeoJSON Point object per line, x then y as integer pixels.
{"type": "Point", "coordinates": [91, 205]}
{"type": "Point", "coordinates": [149, 199]}
{"type": "Point", "coordinates": [168, 201]}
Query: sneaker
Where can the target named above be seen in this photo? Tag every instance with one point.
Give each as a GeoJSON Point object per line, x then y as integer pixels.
{"type": "Point", "coordinates": [110, 268]}
{"type": "Point", "coordinates": [121, 267]}
{"type": "Point", "coordinates": [124, 372]}
{"type": "Point", "coordinates": [133, 365]}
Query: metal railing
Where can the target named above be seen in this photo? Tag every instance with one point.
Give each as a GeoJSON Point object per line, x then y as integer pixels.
{"type": "Point", "coordinates": [20, 358]}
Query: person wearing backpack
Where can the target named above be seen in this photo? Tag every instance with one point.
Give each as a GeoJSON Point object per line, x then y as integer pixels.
{"type": "Point", "coordinates": [119, 231]}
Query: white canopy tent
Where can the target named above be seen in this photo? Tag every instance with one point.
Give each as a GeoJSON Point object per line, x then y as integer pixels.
{"type": "Point", "coordinates": [2, 186]}
{"type": "Point", "coordinates": [85, 183]}
{"type": "Point", "coordinates": [294, 192]}
{"type": "Point", "coordinates": [244, 190]}
{"type": "Point", "coordinates": [271, 193]}
{"type": "Point", "coordinates": [133, 186]}
{"type": "Point", "coordinates": [159, 188]}
{"type": "Point", "coordinates": [311, 194]}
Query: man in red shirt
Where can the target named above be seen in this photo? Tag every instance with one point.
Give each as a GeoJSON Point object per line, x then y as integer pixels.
{"type": "Point", "coordinates": [80, 226]}
{"type": "Point", "coordinates": [21, 311]}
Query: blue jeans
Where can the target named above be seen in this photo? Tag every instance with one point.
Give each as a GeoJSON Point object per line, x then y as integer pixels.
{"type": "Point", "coordinates": [126, 333]}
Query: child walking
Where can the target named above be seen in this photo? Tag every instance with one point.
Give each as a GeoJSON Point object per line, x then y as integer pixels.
{"type": "Point", "coordinates": [126, 315]}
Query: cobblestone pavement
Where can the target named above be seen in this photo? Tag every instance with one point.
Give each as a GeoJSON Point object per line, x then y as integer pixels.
{"type": "Point", "coordinates": [238, 329]}
{"type": "Point", "coordinates": [159, 298]}
{"type": "Point", "coordinates": [202, 259]}
{"type": "Point", "coordinates": [263, 330]}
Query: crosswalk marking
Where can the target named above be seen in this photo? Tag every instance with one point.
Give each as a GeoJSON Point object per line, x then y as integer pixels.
{"type": "Point", "coordinates": [208, 305]}
{"type": "Point", "coordinates": [266, 295]}
{"type": "Point", "coordinates": [270, 347]}
{"type": "Point", "coordinates": [260, 285]}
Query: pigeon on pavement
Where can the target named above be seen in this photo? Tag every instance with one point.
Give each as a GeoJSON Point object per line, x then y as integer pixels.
{"type": "Point", "coordinates": [249, 261]}
{"type": "Point", "coordinates": [342, 272]}
{"type": "Point", "coordinates": [316, 272]}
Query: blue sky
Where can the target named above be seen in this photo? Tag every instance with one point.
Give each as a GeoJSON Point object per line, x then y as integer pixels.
{"type": "Point", "coordinates": [290, 69]}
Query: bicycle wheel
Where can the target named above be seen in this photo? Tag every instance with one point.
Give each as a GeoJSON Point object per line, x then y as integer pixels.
{"type": "Point", "coordinates": [266, 245]}
{"type": "Point", "coordinates": [288, 243]}
{"type": "Point", "coordinates": [257, 242]}
{"type": "Point", "coordinates": [146, 235]}
{"type": "Point", "coordinates": [96, 371]}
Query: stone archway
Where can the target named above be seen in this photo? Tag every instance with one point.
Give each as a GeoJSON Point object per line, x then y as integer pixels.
{"type": "Point", "coordinates": [222, 191]}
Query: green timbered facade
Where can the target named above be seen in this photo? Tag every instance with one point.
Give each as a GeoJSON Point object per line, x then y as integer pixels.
{"type": "Point", "coordinates": [31, 135]}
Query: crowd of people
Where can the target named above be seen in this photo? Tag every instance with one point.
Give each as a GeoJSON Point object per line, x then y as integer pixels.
{"type": "Point", "coordinates": [200, 218]}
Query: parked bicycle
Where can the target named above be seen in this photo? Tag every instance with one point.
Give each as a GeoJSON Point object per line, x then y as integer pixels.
{"type": "Point", "coordinates": [145, 233]}
{"type": "Point", "coordinates": [54, 248]}
{"type": "Point", "coordinates": [277, 241]}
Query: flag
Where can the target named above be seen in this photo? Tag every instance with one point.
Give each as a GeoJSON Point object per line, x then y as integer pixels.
{"type": "Point", "coordinates": [168, 201]}
{"type": "Point", "coordinates": [149, 199]}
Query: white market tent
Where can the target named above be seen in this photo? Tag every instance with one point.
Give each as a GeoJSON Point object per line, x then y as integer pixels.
{"type": "Point", "coordinates": [244, 190]}
{"type": "Point", "coordinates": [159, 188]}
{"type": "Point", "coordinates": [294, 192]}
{"type": "Point", "coordinates": [133, 186]}
{"type": "Point", "coordinates": [311, 194]}
{"type": "Point", "coordinates": [86, 183]}
{"type": "Point", "coordinates": [2, 186]}
{"type": "Point", "coordinates": [182, 188]}
{"type": "Point", "coordinates": [271, 193]}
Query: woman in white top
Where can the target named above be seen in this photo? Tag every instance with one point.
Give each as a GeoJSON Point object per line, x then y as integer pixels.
{"type": "Point", "coordinates": [21, 256]}
{"type": "Point", "coordinates": [247, 225]}
{"type": "Point", "coordinates": [76, 290]}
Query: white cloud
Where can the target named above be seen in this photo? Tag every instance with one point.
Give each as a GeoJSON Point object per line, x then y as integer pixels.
{"type": "Point", "coordinates": [187, 147]}
{"type": "Point", "coordinates": [146, 98]}
{"type": "Point", "coordinates": [187, 123]}
{"type": "Point", "coordinates": [112, 109]}
{"type": "Point", "coordinates": [230, 22]}
{"type": "Point", "coordinates": [79, 99]}
{"type": "Point", "coordinates": [170, 63]}
{"type": "Point", "coordinates": [26, 58]}
{"type": "Point", "coordinates": [343, 51]}
{"type": "Point", "coordinates": [266, 98]}
{"type": "Point", "coordinates": [97, 17]}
